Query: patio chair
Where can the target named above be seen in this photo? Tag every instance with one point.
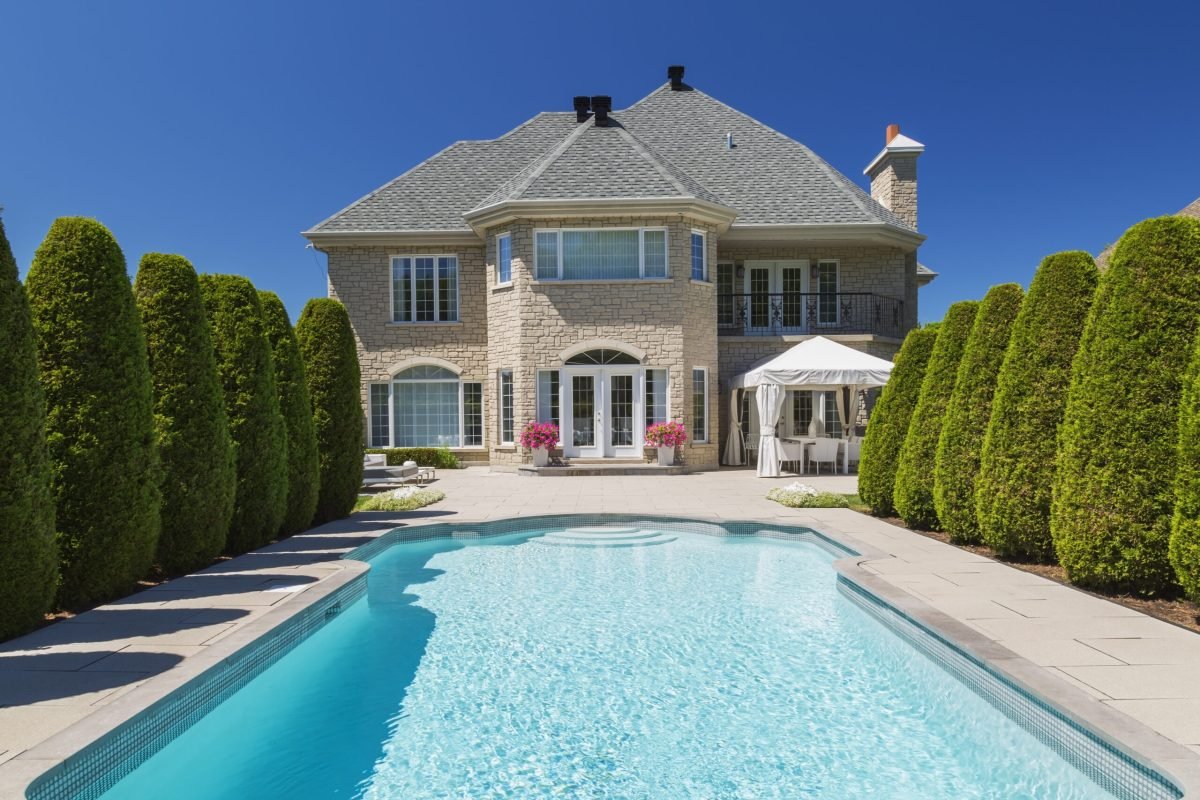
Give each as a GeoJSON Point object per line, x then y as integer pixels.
{"type": "Point", "coordinates": [855, 446]}
{"type": "Point", "coordinates": [824, 451]}
{"type": "Point", "coordinates": [791, 453]}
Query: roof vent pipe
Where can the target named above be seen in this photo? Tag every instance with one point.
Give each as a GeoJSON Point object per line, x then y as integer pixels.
{"type": "Point", "coordinates": [729, 141]}
{"type": "Point", "coordinates": [582, 104]}
{"type": "Point", "coordinates": [675, 75]}
{"type": "Point", "coordinates": [601, 105]}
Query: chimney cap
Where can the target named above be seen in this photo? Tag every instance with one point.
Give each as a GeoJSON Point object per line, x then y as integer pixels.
{"type": "Point", "coordinates": [892, 132]}
{"type": "Point", "coordinates": [601, 106]}
{"type": "Point", "coordinates": [675, 75]}
{"type": "Point", "coordinates": [582, 104]}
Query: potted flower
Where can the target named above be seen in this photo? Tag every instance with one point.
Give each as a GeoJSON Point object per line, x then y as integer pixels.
{"type": "Point", "coordinates": [666, 436]}
{"type": "Point", "coordinates": [540, 437]}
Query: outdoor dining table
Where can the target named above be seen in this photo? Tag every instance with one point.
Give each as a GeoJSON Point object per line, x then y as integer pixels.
{"type": "Point", "coordinates": [808, 441]}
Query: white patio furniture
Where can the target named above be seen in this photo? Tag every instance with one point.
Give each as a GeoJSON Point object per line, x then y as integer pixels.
{"type": "Point", "coordinates": [853, 450]}
{"type": "Point", "coordinates": [825, 451]}
{"type": "Point", "coordinates": [793, 452]}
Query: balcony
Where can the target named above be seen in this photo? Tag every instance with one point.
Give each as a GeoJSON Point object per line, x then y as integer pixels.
{"type": "Point", "coordinates": [786, 313]}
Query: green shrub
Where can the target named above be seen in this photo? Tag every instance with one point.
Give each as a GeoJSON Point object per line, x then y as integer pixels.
{"type": "Point", "coordinates": [304, 475]}
{"type": "Point", "coordinates": [252, 405]}
{"type": "Point", "coordinates": [1110, 516]}
{"type": "Point", "coordinates": [331, 365]}
{"type": "Point", "coordinates": [28, 552]}
{"type": "Point", "coordinates": [913, 494]}
{"type": "Point", "coordinates": [1184, 544]}
{"type": "Point", "coordinates": [1012, 491]}
{"type": "Point", "coordinates": [406, 499]}
{"type": "Point", "coordinates": [198, 478]}
{"type": "Point", "coordinates": [100, 418]}
{"type": "Point", "coordinates": [439, 457]}
{"type": "Point", "coordinates": [964, 426]}
{"type": "Point", "coordinates": [889, 421]}
{"type": "Point", "coordinates": [794, 498]}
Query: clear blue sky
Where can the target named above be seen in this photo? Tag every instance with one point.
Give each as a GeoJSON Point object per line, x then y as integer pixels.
{"type": "Point", "coordinates": [220, 130]}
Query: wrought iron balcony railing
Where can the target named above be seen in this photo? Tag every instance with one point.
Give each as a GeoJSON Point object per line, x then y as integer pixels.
{"type": "Point", "coordinates": [775, 314]}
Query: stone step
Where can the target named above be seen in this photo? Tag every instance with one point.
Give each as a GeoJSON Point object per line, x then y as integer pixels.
{"type": "Point", "coordinates": [605, 537]}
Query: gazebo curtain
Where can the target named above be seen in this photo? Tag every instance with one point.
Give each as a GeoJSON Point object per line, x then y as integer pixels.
{"type": "Point", "coordinates": [770, 403]}
{"type": "Point", "coordinates": [733, 443]}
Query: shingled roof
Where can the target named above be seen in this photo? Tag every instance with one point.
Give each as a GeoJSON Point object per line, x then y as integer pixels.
{"type": "Point", "coordinates": [1192, 209]}
{"type": "Point", "coordinates": [670, 144]}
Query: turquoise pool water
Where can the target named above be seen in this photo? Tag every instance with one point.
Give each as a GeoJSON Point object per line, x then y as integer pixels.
{"type": "Point", "coordinates": [700, 667]}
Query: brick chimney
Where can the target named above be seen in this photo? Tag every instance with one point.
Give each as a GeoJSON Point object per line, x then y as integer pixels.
{"type": "Point", "coordinates": [893, 175]}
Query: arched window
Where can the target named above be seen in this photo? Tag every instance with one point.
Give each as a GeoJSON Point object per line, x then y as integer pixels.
{"type": "Point", "coordinates": [429, 407]}
{"type": "Point", "coordinates": [599, 357]}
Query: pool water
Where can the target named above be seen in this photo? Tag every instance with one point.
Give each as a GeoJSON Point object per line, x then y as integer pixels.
{"type": "Point", "coordinates": [701, 667]}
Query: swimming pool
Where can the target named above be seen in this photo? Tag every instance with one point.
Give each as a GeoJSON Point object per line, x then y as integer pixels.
{"type": "Point", "coordinates": [664, 664]}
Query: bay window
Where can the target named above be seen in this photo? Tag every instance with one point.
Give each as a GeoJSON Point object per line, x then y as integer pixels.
{"type": "Point", "coordinates": [506, 406]}
{"type": "Point", "coordinates": [699, 404]}
{"type": "Point", "coordinates": [699, 257]}
{"type": "Point", "coordinates": [598, 254]}
{"type": "Point", "coordinates": [503, 259]}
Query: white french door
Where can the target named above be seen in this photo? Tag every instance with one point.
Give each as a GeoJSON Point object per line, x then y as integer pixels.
{"type": "Point", "coordinates": [602, 409]}
{"type": "Point", "coordinates": [774, 295]}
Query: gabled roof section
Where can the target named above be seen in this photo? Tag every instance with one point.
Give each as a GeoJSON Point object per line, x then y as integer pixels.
{"type": "Point", "coordinates": [670, 146]}
{"type": "Point", "coordinates": [594, 162]}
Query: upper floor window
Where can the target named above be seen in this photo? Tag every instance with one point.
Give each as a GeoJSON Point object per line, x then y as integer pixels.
{"type": "Point", "coordinates": [425, 289]}
{"type": "Point", "coordinates": [699, 257]}
{"type": "Point", "coordinates": [503, 259]}
{"type": "Point", "coordinates": [600, 254]}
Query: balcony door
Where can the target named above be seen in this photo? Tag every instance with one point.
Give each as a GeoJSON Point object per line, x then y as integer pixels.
{"type": "Point", "coordinates": [773, 293]}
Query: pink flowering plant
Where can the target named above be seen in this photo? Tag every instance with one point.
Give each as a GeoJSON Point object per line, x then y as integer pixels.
{"type": "Point", "coordinates": [666, 434]}
{"type": "Point", "coordinates": [539, 434]}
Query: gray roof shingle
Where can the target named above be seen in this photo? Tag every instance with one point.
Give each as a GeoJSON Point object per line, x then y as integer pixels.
{"type": "Point", "coordinates": [669, 144]}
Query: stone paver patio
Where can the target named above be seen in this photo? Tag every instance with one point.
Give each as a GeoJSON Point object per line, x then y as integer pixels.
{"type": "Point", "coordinates": [62, 674]}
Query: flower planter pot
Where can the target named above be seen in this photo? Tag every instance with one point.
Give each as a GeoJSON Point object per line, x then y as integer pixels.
{"type": "Point", "coordinates": [666, 456]}
{"type": "Point", "coordinates": [541, 456]}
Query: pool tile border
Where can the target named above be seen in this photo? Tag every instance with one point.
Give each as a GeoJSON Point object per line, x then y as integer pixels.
{"type": "Point", "coordinates": [84, 770]}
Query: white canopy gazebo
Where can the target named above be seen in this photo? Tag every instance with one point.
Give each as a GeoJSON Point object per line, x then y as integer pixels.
{"type": "Point", "coordinates": [816, 363]}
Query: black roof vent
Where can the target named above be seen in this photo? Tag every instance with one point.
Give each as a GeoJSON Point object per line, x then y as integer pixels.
{"type": "Point", "coordinates": [601, 105]}
{"type": "Point", "coordinates": [582, 104]}
{"type": "Point", "coordinates": [675, 75]}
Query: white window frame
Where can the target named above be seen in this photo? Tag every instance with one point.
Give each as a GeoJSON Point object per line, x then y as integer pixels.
{"type": "Point", "coordinates": [837, 290]}
{"type": "Point", "coordinates": [537, 396]}
{"type": "Point", "coordinates": [703, 256]}
{"type": "Point", "coordinates": [558, 248]}
{"type": "Point", "coordinates": [707, 409]}
{"type": "Point", "coordinates": [437, 289]}
{"type": "Point", "coordinates": [462, 413]}
{"type": "Point", "coordinates": [500, 373]}
{"type": "Point", "coordinates": [499, 238]}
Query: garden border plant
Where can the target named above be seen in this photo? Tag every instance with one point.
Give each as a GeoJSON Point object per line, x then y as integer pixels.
{"type": "Point", "coordinates": [28, 550]}
{"type": "Point", "coordinates": [960, 442]}
{"type": "Point", "coordinates": [889, 421]}
{"type": "Point", "coordinates": [256, 425]}
{"type": "Point", "coordinates": [1020, 450]}
{"type": "Point", "coordinates": [99, 411]}
{"type": "Point", "coordinates": [191, 428]}
{"type": "Point", "coordinates": [913, 493]}
{"type": "Point", "coordinates": [1111, 514]}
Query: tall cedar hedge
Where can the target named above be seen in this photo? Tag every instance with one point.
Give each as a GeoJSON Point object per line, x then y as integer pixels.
{"type": "Point", "coordinates": [1113, 491]}
{"type": "Point", "coordinates": [1184, 544]}
{"type": "Point", "coordinates": [913, 493]}
{"type": "Point", "coordinates": [252, 405]}
{"type": "Point", "coordinates": [331, 365]}
{"type": "Point", "coordinates": [28, 551]}
{"type": "Point", "coordinates": [189, 415]}
{"type": "Point", "coordinates": [889, 421]}
{"type": "Point", "coordinates": [100, 417]}
{"type": "Point", "coordinates": [304, 476]}
{"type": "Point", "coordinates": [964, 427]}
{"type": "Point", "coordinates": [1012, 493]}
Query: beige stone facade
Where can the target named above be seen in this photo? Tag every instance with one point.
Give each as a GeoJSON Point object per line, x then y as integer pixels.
{"type": "Point", "coordinates": [528, 324]}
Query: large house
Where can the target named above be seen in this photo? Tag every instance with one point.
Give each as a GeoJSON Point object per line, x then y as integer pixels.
{"type": "Point", "coordinates": [606, 269]}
